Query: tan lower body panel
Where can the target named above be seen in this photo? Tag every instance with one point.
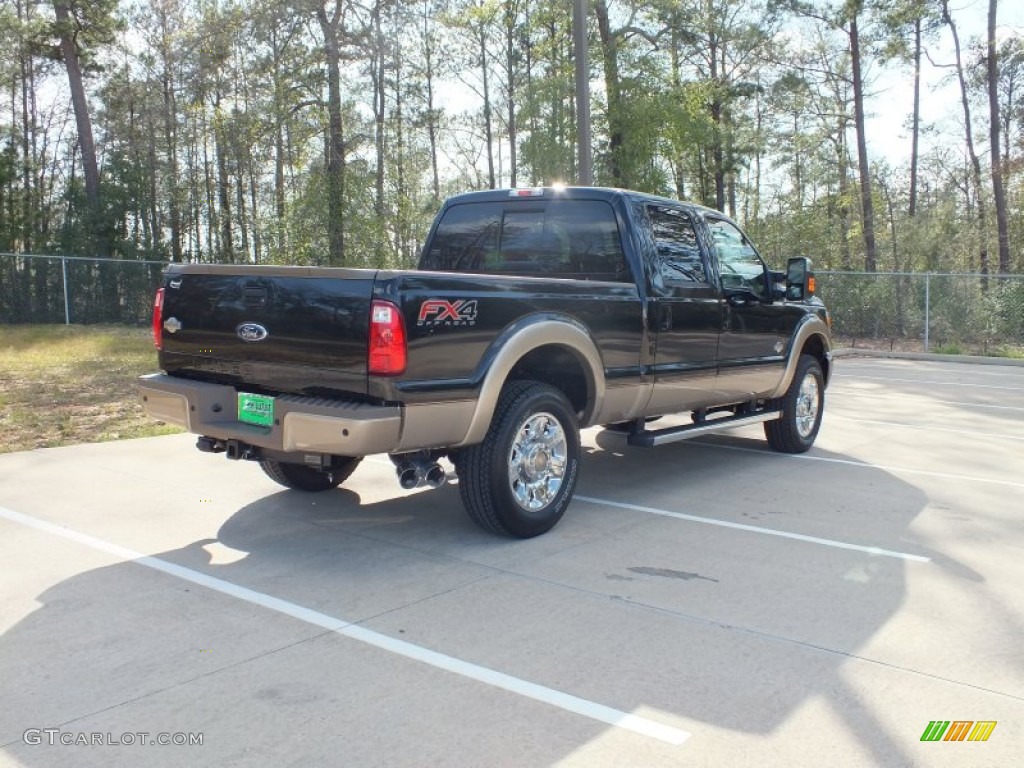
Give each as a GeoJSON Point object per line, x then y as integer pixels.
{"type": "Point", "coordinates": [435, 425]}
{"type": "Point", "coordinates": [750, 382]}
{"type": "Point", "coordinates": [623, 403]}
{"type": "Point", "coordinates": [301, 423]}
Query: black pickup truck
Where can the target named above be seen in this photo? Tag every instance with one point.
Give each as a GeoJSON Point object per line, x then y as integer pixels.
{"type": "Point", "coordinates": [534, 313]}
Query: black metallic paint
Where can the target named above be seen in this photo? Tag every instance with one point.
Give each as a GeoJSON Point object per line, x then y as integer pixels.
{"type": "Point", "coordinates": [317, 329]}
{"type": "Point", "coordinates": [317, 321]}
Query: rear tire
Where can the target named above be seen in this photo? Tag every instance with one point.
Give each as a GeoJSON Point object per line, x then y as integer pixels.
{"type": "Point", "coordinates": [303, 478]}
{"type": "Point", "coordinates": [520, 479]}
{"type": "Point", "coordinates": [802, 407]}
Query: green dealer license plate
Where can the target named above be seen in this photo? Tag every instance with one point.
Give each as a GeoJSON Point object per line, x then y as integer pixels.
{"type": "Point", "coordinates": [256, 409]}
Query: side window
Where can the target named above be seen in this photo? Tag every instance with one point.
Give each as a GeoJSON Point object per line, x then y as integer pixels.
{"type": "Point", "coordinates": [675, 242]}
{"type": "Point", "coordinates": [738, 262]}
{"type": "Point", "coordinates": [557, 238]}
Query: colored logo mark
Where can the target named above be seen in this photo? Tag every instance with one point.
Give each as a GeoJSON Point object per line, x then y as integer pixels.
{"type": "Point", "coordinates": [958, 730]}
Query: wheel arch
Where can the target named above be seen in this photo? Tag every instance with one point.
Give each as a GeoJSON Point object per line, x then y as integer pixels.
{"type": "Point", "coordinates": [811, 337]}
{"type": "Point", "coordinates": [556, 350]}
{"type": "Point", "coordinates": [817, 347]}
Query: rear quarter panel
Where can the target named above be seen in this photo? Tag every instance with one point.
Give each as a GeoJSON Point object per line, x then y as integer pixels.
{"type": "Point", "coordinates": [448, 356]}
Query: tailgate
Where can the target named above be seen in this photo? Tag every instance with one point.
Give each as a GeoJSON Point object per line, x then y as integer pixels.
{"type": "Point", "coordinates": [275, 329]}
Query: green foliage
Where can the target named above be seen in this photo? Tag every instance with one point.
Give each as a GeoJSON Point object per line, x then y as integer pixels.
{"type": "Point", "coordinates": [211, 121]}
{"type": "Point", "coordinates": [1007, 304]}
{"type": "Point", "coordinates": [94, 25]}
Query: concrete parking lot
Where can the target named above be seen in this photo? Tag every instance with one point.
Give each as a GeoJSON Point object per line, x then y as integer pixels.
{"type": "Point", "coordinates": [704, 603]}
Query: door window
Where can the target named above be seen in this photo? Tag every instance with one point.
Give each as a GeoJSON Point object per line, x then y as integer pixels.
{"type": "Point", "coordinates": [675, 243]}
{"type": "Point", "coordinates": [738, 262]}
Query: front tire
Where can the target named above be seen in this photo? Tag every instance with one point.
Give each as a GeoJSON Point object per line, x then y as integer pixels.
{"type": "Point", "coordinates": [802, 407]}
{"type": "Point", "coordinates": [519, 480]}
{"type": "Point", "coordinates": [303, 478]}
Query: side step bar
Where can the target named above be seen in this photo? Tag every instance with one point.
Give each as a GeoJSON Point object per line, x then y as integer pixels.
{"type": "Point", "coordinates": [648, 438]}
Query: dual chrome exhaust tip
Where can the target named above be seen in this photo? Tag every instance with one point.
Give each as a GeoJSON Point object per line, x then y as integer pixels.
{"type": "Point", "coordinates": [413, 474]}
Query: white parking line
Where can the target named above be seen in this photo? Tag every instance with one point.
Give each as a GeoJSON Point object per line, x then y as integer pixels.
{"type": "Point", "coordinates": [971, 432]}
{"type": "Point", "coordinates": [754, 529]}
{"type": "Point", "coordinates": [890, 395]}
{"type": "Point", "coordinates": [848, 368]}
{"type": "Point", "coordinates": [865, 465]}
{"type": "Point", "coordinates": [938, 383]}
{"type": "Point", "coordinates": [565, 701]}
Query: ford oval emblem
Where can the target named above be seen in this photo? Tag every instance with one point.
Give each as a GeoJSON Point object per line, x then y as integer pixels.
{"type": "Point", "coordinates": [251, 332]}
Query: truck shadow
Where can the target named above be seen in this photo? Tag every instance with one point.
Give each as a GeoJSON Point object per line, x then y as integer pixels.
{"type": "Point", "coordinates": [781, 636]}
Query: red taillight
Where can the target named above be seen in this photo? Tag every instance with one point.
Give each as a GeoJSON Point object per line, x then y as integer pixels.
{"type": "Point", "coordinates": [387, 340]}
{"type": "Point", "coordinates": [158, 319]}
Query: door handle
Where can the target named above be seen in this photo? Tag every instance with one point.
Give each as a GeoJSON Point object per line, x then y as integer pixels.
{"type": "Point", "coordinates": [742, 299]}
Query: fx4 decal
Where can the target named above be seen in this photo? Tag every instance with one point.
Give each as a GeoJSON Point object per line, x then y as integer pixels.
{"type": "Point", "coordinates": [439, 312]}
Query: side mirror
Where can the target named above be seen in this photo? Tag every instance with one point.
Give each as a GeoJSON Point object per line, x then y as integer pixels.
{"type": "Point", "coordinates": [800, 283]}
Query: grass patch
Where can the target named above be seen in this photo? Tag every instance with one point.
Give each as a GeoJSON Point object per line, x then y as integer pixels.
{"type": "Point", "coordinates": [1013, 353]}
{"type": "Point", "coordinates": [64, 384]}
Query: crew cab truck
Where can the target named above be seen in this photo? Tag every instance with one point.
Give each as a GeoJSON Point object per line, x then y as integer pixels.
{"type": "Point", "coordinates": [534, 313]}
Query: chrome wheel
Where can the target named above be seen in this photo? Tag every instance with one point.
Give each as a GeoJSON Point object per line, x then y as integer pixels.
{"type": "Point", "coordinates": [807, 403]}
{"type": "Point", "coordinates": [537, 461]}
{"type": "Point", "coordinates": [520, 479]}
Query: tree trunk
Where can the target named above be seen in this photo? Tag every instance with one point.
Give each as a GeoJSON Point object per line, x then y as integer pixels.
{"type": "Point", "coordinates": [678, 166]}
{"type": "Point", "coordinates": [279, 118]}
{"type": "Point", "coordinates": [717, 149]}
{"type": "Point", "coordinates": [757, 156]}
{"type": "Point", "coordinates": [510, 104]}
{"type": "Point", "coordinates": [227, 236]}
{"type": "Point", "coordinates": [212, 226]}
{"type": "Point", "coordinates": [170, 136]}
{"type": "Point", "coordinates": [613, 91]}
{"type": "Point", "coordinates": [240, 203]}
{"type": "Point", "coordinates": [998, 193]}
{"type": "Point", "coordinates": [150, 216]}
{"type": "Point", "coordinates": [401, 194]}
{"type": "Point", "coordinates": [257, 238]}
{"type": "Point", "coordinates": [335, 142]}
{"type": "Point", "coordinates": [428, 55]}
{"type": "Point", "coordinates": [379, 86]}
{"type": "Point", "coordinates": [969, 135]}
{"type": "Point", "coordinates": [534, 127]}
{"type": "Point", "coordinates": [843, 211]}
{"type": "Point", "coordinates": [83, 121]}
{"type": "Point", "coordinates": [867, 207]}
{"type": "Point", "coordinates": [28, 123]}
{"type": "Point", "coordinates": [916, 120]}
{"type": "Point", "coordinates": [488, 128]}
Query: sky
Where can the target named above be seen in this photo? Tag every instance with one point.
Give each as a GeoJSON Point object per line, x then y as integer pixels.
{"type": "Point", "coordinates": [893, 89]}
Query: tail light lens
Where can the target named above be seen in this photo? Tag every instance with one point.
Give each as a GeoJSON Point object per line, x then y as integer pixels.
{"type": "Point", "coordinates": [387, 349]}
{"type": "Point", "coordinates": [158, 319]}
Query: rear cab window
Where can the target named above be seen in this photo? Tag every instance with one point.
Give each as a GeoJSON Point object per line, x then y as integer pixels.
{"type": "Point", "coordinates": [575, 239]}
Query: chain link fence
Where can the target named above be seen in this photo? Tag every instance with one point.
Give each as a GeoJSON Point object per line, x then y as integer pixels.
{"type": "Point", "coordinates": [881, 310]}
{"type": "Point", "coordinates": [71, 289]}
{"type": "Point", "coordinates": [956, 313]}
